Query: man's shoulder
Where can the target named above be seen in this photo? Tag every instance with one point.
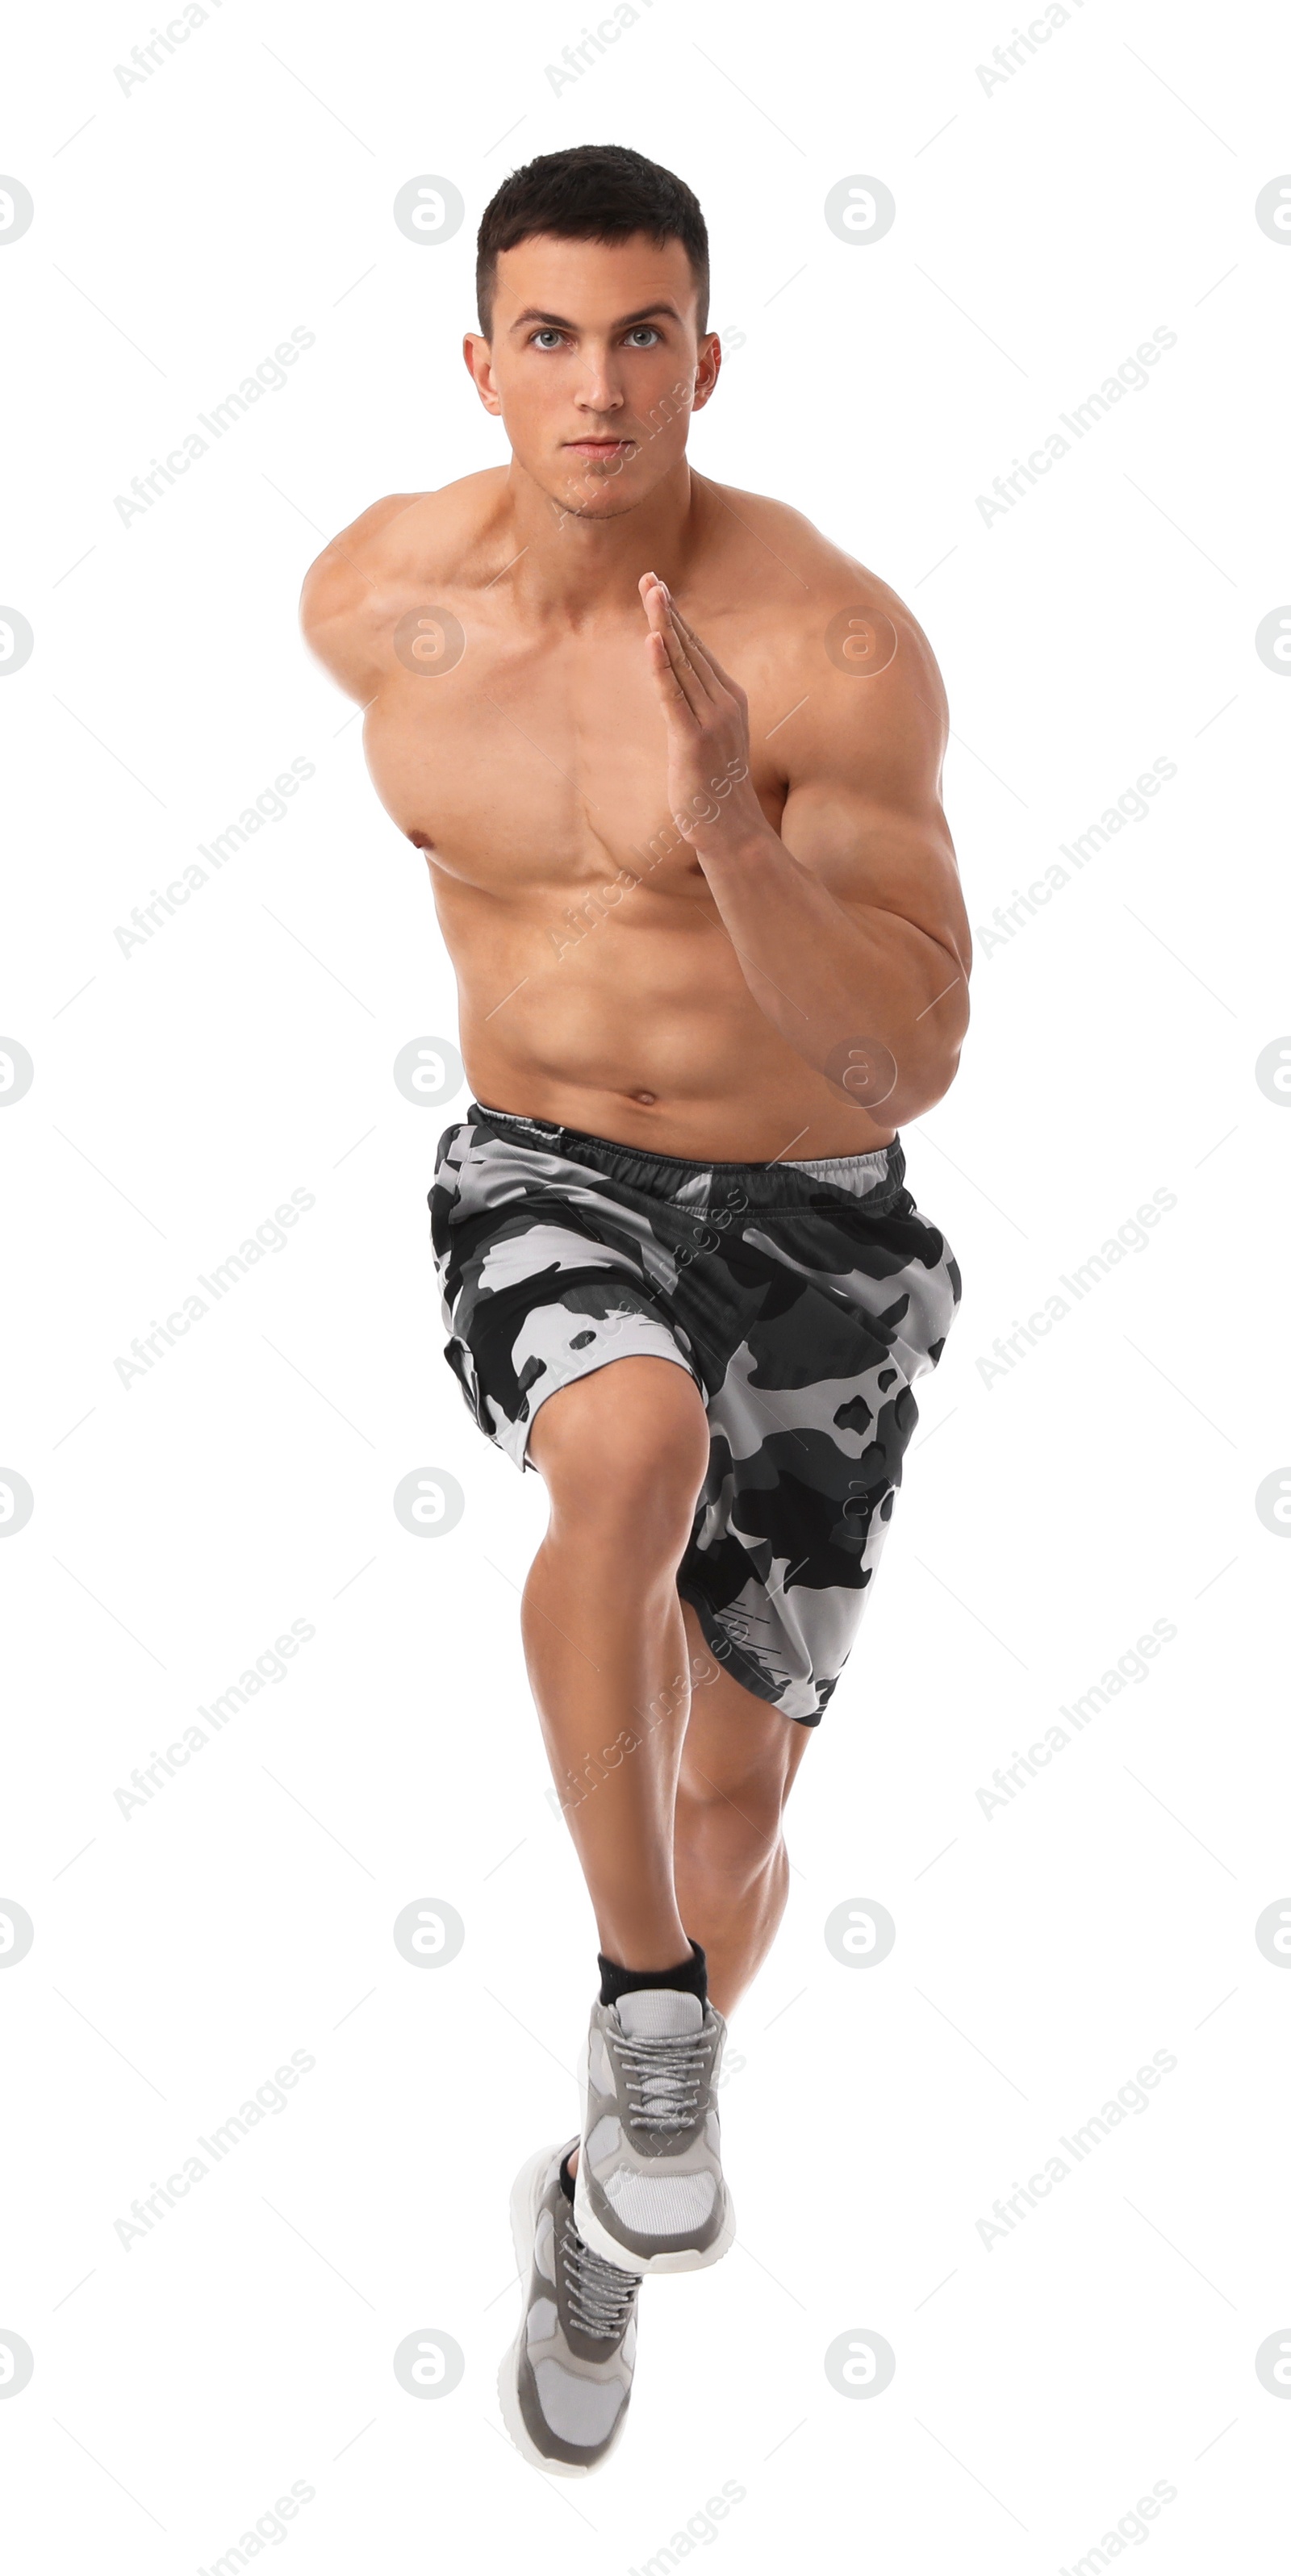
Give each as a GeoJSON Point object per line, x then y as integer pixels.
{"type": "Point", "coordinates": [392, 555]}
{"type": "Point", "coordinates": [814, 605]}
{"type": "Point", "coordinates": [761, 533]}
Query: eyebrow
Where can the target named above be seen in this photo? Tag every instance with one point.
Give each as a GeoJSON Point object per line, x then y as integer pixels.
{"type": "Point", "coordinates": [625, 322]}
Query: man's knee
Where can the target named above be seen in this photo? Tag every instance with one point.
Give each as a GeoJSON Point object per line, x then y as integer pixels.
{"type": "Point", "coordinates": [624, 1453]}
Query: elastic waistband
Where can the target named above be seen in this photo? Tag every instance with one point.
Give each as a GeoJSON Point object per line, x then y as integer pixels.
{"type": "Point", "coordinates": [677, 1176]}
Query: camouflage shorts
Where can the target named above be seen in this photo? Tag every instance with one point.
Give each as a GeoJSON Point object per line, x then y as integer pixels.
{"type": "Point", "coordinates": [804, 1299]}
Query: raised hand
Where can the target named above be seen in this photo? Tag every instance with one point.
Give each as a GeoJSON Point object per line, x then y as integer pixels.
{"type": "Point", "coordinates": [710, 793]}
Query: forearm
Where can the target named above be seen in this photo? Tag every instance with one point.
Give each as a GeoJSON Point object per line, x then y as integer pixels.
{"type": "Point", "coordinates": [867, 996]}
{"type": "Point", "coordinates": [834, 980]}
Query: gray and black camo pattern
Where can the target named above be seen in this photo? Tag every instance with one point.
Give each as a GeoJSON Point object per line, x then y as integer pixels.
{"type": "Point", "coordinates": [803, 1298]}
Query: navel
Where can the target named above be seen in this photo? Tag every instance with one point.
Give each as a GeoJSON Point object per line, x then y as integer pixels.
{"type": "Point", "coordinates": [646, 1098]}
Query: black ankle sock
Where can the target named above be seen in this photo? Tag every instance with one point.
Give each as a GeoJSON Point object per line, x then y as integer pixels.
{"type": "Point", "coordinates": [691, 1978]}
{"type": "Point", "coordinates": [565, 2183]}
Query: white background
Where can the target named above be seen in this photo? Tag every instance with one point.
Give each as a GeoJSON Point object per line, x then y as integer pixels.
{"type": "Point", "coordinates": [1045, 227]}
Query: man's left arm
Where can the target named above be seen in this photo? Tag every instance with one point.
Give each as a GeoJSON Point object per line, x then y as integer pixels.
{"type": "Point", "coordinates": [848, 922]}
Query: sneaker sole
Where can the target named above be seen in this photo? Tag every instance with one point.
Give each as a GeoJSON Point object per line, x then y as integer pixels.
{"type": "Point", "coordinates": [681, 2259]}
{"type": "Point", "coordinates": [526, 2195]}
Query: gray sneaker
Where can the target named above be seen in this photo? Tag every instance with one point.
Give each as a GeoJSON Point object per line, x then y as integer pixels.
{"type": "Point", "coordinates": [564, 2384]}
{"type": "Point", "coordinates": [649, 2191]}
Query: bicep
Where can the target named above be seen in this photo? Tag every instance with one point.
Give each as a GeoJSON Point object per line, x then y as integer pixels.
{"type": "Point", "coordinates": [863, 805]}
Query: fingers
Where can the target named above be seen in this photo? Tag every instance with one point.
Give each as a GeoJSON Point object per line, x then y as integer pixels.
{"type": "Point", "coordinates": [669, 679]}
{"type": "Point", "coordinates": [680, 682]}
{"type": "Point", "coordinates": [660, 597]}
{"type": "Point", "coordinates": [700, 655]}
{"type": "Point", "coordinates": [685, 652]}
{"type": "Point", "coordinates": [692, 642]}
{"type": "Point", "coordinates": [671, 693]}
{"type": "Point", "coordinates": [679, 676]}
{"type": "Point", "coordinates": [697, 655]}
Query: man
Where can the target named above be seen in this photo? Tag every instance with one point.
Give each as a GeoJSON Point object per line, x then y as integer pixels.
{"type": "Point", "coordinates": [674, 761]}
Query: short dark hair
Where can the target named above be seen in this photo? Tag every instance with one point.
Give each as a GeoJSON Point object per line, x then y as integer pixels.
{"type": "Point", "coordinates": [593, 192]}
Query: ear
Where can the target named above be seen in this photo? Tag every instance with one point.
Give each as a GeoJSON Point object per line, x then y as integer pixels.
{"type": "Point", "coordinates": [478, 358]}
{"type": "Point", "coordinates": [707, 369]}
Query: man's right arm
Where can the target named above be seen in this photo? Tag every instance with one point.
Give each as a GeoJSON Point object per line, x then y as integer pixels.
{"type": "Point", "coordinates": [347, 605]}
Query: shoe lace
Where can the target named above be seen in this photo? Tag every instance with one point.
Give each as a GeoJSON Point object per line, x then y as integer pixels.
{"type": "Point", "coordinates": [601, 2297]}
{"type": "Point", "coordinates": [663, 2077]}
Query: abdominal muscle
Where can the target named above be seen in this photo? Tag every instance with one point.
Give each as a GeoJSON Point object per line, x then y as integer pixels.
{"type": "Point", "coordinates": [641, 1030]}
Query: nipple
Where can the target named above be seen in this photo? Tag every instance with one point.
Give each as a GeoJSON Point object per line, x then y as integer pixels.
{"type": "Point", "coordinates": [419, 840]}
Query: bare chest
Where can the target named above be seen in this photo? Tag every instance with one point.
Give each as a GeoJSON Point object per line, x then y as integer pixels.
{"type": "Point", "coordinates": [525, 767]}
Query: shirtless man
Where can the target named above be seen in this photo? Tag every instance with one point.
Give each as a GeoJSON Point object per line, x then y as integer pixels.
{"type": "Point", "coordinates": [674, 762]}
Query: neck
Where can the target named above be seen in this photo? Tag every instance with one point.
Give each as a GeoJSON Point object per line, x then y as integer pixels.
{"type": "Point", "coordinates": [579, 566]}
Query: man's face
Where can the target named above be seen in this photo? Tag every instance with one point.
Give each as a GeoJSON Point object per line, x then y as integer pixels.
{"type": "Point", "coordinates": [594, 366]}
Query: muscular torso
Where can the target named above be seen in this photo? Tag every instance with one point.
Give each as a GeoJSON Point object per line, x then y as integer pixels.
{"type": "Point", "coordinates": [598, 984]}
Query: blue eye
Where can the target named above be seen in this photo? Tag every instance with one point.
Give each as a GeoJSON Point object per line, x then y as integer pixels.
{"type": "Point", "coordinates": [547, 334]}
{"type": "Point", "coordinates": [643, 333]}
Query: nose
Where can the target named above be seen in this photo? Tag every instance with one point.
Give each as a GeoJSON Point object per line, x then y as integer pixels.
{"type": "Point", "coordinates": [599, 391]}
